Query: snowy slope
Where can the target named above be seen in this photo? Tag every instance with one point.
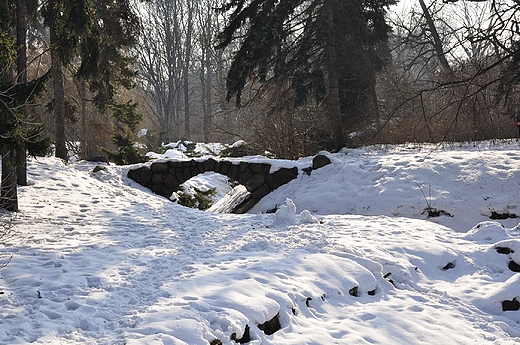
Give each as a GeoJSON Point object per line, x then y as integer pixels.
{"type": "Point", "coordinates": [467, 181]}
{"type": "Point", "coordinates": [97, 259]}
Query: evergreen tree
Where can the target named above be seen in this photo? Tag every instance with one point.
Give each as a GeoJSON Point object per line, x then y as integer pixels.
{"type": "Point", "coordinates": [99, 33]}
{"type": "Point", "coordinates": [117, 29]}
{"type": "Point", "coordinates": [69, 23]}
{"type": "Point", "coordinates": [8, 196]}
{"type": "Point", "coordinates": [115, 33]}
{"type": "Point", "coordinates": [328, 48]}
{"type": "Point", "coordinates": [16, 134]}
{"type": "Point", "coordinates": [127, 119]}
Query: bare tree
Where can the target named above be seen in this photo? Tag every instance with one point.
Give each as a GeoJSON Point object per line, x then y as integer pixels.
{"type": "Point", "coordinates": [435, 38]}
{"type": "Point", "coordinates": [444, 85]}
{"type": "Point", "coordinates": [206, 23]}
{"type": "Point", "coordinates": [160, 64]}
{"type": "Point", "coordinates": [186, 65]}
{"type": "Point", "coordinates": [182, 75]}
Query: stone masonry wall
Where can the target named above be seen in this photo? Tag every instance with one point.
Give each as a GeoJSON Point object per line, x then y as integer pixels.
{"type": "Point", "coordinates": [164, 178]}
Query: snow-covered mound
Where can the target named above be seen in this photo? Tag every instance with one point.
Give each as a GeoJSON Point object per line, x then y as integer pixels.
{"type": "Point", "coordinates": [466, 184]}
{"type": "Point", "coordinates": [97, 259]}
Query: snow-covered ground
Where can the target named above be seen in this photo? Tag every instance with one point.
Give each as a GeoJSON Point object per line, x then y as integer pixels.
{"type": "Point", "coordinates": [350, 257]}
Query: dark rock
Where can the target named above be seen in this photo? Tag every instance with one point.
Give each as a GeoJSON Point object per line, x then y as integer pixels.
{"type": "Point", "coordinates": [244, 176]}
{"type": "Point", "coordinates": [246, 338]}
{"type": "Point", "coordinates": [320, 161]}
{"type": "Point", "coordinates": [256, 181]}
{"type": "Point", "coordinates": [510, 305]}
{"type": "Point", "coordinates": [165, 191]}
{"type": "Point", "coordinates": [142, 175]}
{"type": "Point", "coordinates": [99, 168]}
{"type": "Point", "coordinates": [146, 176]}
{"type": "Point", "coordinates": [209, 165]}
{"type": "Point", "coordinates": [156, 188]}
{"type": "Point", "coordinates": [159, 167]}
{"type": "Point", "coordinates": [171, 182]}
{"type": "Point", "coordinates": [131, 174]}
{"type": "Point", "coordinates": [513, 266]}
{"type": "Point", "coordinates": [180, 177]}
{"type": "Point", "coordinates": [285, 175]}
{"type": "Point", "coordinates": [233, 172]}
{"type": "Point", "coordinates": [157, 178]}
{"type": "Point", "coordinates": [260, 192]}
{"type": "Point", "coordinates": [271, 326]}
{"type": "Point", "coordinates": [504, 250]}
{"type": "Point", "coordinates": [448, 266]}
{"type": "Point", "coordinates": [272, 181]}
{"type": "Point", "coordinates": [389, 280]}
{"type": "Point", "coordinates": [225, 168]}
{"type": "Point", "coordinates": [195, 170]}
{"type": "Point", "coordinates": [505, 215]}
{"type": "Point", "coordinates": [354, 291]}
{"type": "Point", "coordinates": [243, 165]}
{"type": "Point", "coordinates": [259, 167]}
{"type": "Point", "coordinates": [200, 166]}
{"type": "Point", "coordinates": [245, 206]}
{"type": "Point", "coordinates": [187, 173]}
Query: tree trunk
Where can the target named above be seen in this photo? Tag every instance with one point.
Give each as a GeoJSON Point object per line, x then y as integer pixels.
{"type": "Point", "coordinates": [21, 66]}
{"type": "Point", "coordinates": [437, 43]}
{"type": "Point", "coordinates": [220, 81]}
{"type": "Point", "coordinates": [8, 194]}
{"type": "Point", "coordinates": [203, 95]}
{"type": "Point", "coordinates": [81, 86]}
{"type": "Point", "coordinates": [59, 112]}
{"type": "Point", "coordinates": [187, 72]}
{"type": "Point", "coordinates": [59, 95]}
{"type": "Point", "coordinates": [206, 78]}
{"type": "Point", "coordinates": [333, 84]}
{"type": "Point", "coordinates": [8, 189]}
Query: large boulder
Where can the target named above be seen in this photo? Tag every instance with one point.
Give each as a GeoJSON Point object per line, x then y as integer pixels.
{"type": "Point", "coordinates": [320, 161]}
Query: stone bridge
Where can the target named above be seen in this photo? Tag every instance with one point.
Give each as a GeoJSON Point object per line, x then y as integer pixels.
{"type": "Point", "coordinates": [165, 177]}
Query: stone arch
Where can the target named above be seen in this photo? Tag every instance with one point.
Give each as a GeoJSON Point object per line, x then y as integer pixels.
{"type": "Point", "coordinates": [165, 177]}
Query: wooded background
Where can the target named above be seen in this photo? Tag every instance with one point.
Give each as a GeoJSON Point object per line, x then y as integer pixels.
{"type": "Point", "coordinates": [289, 77]}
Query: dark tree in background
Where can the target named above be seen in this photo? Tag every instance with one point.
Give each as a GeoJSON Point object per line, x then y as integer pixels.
{"type": "Point", "coordinates": [17, 132]}
{"type": "Point", "coordinates": [8, 197]}
{"type": "Point", "coordinates": [90, 37]}
{"type": "Point", "coordinates": [117, 30]}
{"type": "Point", "coordinates": [69, 23]}
{"type": "Point", "coordinates": [126, 121]}
{"type": "Point", "coordinates": [98, 34]}
{"type": "Point", "coordinates": [329, 49]}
